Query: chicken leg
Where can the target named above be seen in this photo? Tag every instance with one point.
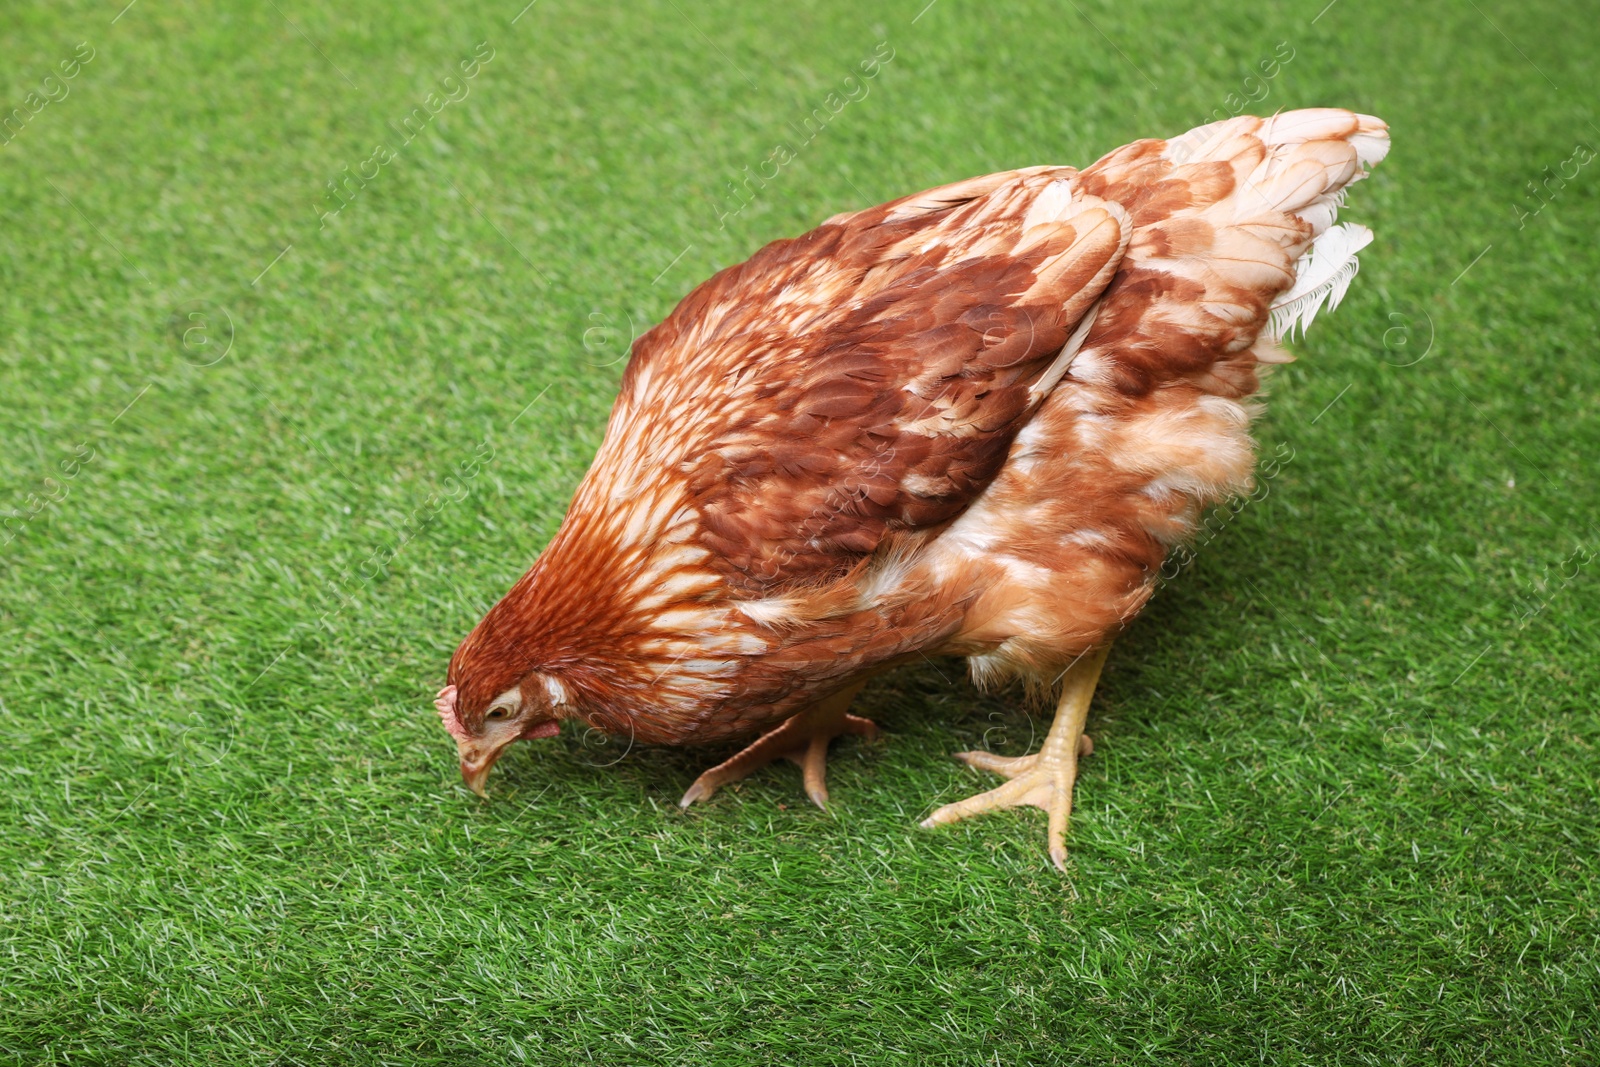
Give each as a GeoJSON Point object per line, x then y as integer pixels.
{"type": "Point", "coordinates": [1044, 779]}
{"type": "Point", "coordinates": [802, 739]}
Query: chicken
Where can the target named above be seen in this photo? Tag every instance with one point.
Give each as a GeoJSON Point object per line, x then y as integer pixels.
{"type": "Point", "coordinates": [973, 422]}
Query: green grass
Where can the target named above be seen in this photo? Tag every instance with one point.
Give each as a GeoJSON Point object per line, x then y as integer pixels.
{"type": "Point", "coordinates": [1344, 806]}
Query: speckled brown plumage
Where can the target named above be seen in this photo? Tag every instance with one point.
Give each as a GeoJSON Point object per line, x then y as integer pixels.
{"type": "Point", "coordinates": [969, 421]}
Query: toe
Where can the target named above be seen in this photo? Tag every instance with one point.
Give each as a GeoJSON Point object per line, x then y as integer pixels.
{"type": "Point", "coordinates": [1010, 766]}
{"type": "Point", "coordinates": [814, 769]}
{"type": "Point", "coordinates": [855, 724]}
{"type": "Point", "coordinates": [700, 790]}
{"type": "Point", "coordinates": [1005, 796]}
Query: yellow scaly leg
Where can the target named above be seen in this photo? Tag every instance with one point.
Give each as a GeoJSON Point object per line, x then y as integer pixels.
{"type": "Point", "coordinates": [1044, 779]}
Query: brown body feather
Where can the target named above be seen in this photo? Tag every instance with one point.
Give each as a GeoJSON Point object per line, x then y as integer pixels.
{"type": "Point", "coordinates": [970, 421]}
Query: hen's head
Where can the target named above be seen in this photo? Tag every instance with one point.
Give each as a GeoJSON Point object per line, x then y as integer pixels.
{"type": "Point", "coordinates": [573, 639]}
{"type": "Point", "coordinates": [491, 702]}
{"type": "Point", "coordinates": [483, 735]}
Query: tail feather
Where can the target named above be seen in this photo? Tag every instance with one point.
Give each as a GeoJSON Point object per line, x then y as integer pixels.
{"type": "Point", "coordinates": [1324, 275]}
{"type": "Point", "coordinates": [1232, 246]}
{"type": "Point", "coordinates": [1234, 228]}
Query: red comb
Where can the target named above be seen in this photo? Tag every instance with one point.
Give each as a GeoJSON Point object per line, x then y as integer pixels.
{"type": "Point", "coordinates": [446, 703]}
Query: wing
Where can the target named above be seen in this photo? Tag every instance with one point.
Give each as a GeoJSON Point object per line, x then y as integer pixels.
{"type": "Point", "coordinates": [866, 377]}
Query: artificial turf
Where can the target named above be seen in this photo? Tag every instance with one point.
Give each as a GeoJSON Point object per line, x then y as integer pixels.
{"type": "Point", "coordinates": [1343, 806]}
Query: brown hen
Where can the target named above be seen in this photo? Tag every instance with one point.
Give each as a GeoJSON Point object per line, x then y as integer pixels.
{"type": "Point", "coordinates": [972, 421]}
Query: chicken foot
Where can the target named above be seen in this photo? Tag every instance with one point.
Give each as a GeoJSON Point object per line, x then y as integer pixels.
{"type": "Point", "coordinates": [1044, 779]}
{"type": "Point", "coordinates": [802, 739]}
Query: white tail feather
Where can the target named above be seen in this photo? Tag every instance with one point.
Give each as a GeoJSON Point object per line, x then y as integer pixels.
{"type": "Point", "coordinates": [1322, 276]}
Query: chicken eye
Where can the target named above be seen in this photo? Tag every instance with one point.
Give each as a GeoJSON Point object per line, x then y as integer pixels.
{"type": "Point", "coordinates": [501, 712]}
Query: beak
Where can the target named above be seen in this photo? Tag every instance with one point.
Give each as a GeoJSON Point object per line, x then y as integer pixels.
{"type": "Point", "coordinates": [475, 767]}
{"type": "Point", "coordinates": [476, 759]}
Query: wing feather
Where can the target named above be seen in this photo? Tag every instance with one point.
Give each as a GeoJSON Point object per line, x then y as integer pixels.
{"type": "Point", "coordinates": [865, 378]}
